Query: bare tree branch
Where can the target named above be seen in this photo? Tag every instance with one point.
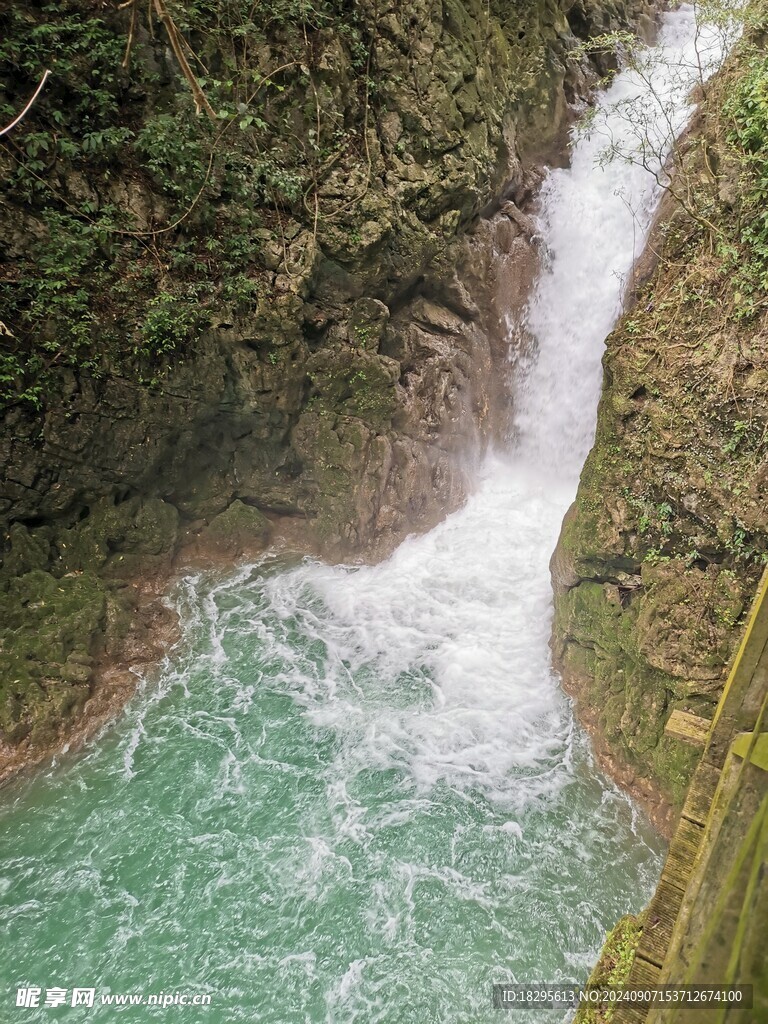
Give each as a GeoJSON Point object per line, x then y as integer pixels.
{"type": "Point", "coordinates": [177, 45]}
{"type": "Point", "coordinates": [28, 107]}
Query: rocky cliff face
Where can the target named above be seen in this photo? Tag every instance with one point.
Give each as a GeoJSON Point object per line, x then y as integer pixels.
{"type": "Point", "coordinates": [660, 554]}
{"type": "Point", "coordinates": [285, 305]}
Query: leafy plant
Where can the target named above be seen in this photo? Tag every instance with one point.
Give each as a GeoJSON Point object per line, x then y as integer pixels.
{"type": "Point", "coordinates": [174, 153]}
{"type": "Point", "coordinates": [169, 323]}
{"type": "Point", "coordinates": [747, 109]}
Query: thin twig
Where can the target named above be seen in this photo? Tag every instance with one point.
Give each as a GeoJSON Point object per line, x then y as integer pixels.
{"type": "Point", "coordinates": [131, 32]}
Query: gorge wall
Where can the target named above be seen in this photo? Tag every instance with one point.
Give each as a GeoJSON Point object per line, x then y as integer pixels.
{"type": "Point", "coordinates": [256, 266]}
{"type": "Point", "coordinates": [660, 555]}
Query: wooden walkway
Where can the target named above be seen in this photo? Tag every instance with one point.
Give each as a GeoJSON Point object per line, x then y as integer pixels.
{"type": "Point", "coordinates": [667, 901]}
{"type": "Point", "coordinates": [736, 738]}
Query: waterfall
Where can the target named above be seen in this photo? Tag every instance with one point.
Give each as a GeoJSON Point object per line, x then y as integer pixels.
{"type": "Point", "coordinates": [596, 215]}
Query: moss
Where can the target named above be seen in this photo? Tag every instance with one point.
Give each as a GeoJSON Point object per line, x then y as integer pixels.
{"type": "Point", "coordinates": [355, 383]}
{"type": "Point", "coordinates": [603, 649]}
{"type": "Point", "coordinates": [111, 537]}
{"type": "Point", "coordinates": [368, 323]}
{"type": "Point", "coordinates": [58, 608]}
{"type": "Point", "coordinates": [26, 550]}
{"type": "Point", "coordinates": [47, 625]}
{"type": "Point", "coordinates": [613, 967]}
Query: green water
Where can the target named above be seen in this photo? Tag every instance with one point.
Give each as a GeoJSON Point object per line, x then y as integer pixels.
{"type": "Point", "coordinates": [306, 816]}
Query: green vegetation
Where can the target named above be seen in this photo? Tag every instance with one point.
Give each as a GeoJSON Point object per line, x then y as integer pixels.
{"type": "Point", "coordinates": [613, 967]}
{"type": "Point", "coordinates": [169, 321]}
{"type": "Point", "coordinates": [747, 111]}
{"type": "Point", "coordinates": [199, 150]}
{"type": "Point", "coordinates": [144, 215]}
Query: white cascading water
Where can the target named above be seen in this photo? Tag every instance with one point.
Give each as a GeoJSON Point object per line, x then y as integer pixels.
{"type": "Point", "coordinates": [358, 794]}
{"type": "Point", "coordinates": [471, 600]}
{"type": "Point", "coordinates": [595, 219]}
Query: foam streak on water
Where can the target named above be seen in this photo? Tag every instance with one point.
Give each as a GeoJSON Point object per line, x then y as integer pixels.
{"type": "Point", "coordinates": [358, 794]}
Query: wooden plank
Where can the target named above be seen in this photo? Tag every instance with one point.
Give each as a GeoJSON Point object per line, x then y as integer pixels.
{"type": "Point", "coordinates": [626, 1014]}
{"type": "Point", "coordinates": [751, 647]}
{"type": "Point", "coordinates": [659, 922]}
{"type": "Point", "coordinates": [682, 853]}
{"type": "Point", "coordinates": [729, 713]}
{"type": "Point", "coordinates": [668, 898]}
{"type": "Point", "coordinates": [701, 792]}
{"type": "Point", "coordinates": [643, 972]}
{"type": "Point", "coordinates": [691, 729]}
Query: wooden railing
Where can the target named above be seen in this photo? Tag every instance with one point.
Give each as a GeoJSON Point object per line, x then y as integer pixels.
{"type": "Point", "coordinates": [708, 920]}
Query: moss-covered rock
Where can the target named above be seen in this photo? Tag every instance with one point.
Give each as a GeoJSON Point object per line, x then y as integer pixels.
{"type": "Point", "coordinates": [240, 528]}
{"type": "Point", "coordinates": [660, 554]}
{"type": "Point", "coordinates": [613, 967]}
{"type": "Point", "coordinates": [50, 629]}
{"type": "Point", "coordinates": [367, 323]}
{"type": "Point", "coordinates": [117, 538]}
{"type": "Point", "coordinates": [26, 549]}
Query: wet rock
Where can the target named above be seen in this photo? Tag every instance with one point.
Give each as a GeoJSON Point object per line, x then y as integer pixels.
{"type": "Point", "coordinates": [367, 323]}
{"type": "Point", "coordinates": [27, 550]}
{"type": "Point", "coordinates": [239, 529]}
{"type": "Point", "coordinates": [45, 621]}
